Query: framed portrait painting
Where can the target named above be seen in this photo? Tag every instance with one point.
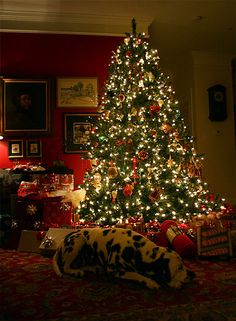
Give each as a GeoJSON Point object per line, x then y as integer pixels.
{"type": "Point", "coordinates": [77, 128]}
{"type": "Point", "coordinates": [15, 148]}
{"type": "Point", "coordinates": [25, 107]}
{"type": "Point", "coordinates": [34, 148]}
{"type": "Point", "coordinates": [77, 92]}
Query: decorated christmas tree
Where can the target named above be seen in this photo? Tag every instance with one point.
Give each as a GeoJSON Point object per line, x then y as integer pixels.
{"type": "Point", "coordinates": [144, 160]}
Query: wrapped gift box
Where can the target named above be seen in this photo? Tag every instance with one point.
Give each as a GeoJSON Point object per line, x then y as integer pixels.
{"type": "Point", "coordinates": [30, 241]}
{"type": "Point", "coordinates": [26, 189]}
{"type": "Point", "coordinates": [214, 241]}
{"type": "Point", "coordinates": [57, 213]}
{"type": "Point", "coordinates": [29, 213]}
{"type": "Point", "coordinates": [52, 182]}
{"type": "Point", "coordinates": [233, 240]}
{"type": "Point", "coordinates": [66, 182]}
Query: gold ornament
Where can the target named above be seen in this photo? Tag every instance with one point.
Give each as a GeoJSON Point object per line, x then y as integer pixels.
{"type": "Point", "coordinates": [153, 132]}
{"type": "Point", "coordinates": [121, 97]}
{"type": "Point", "coordinates": [166, 128]}
{"type": "Point", "coordinates": [97, 180]}
{"type": "Point", "coordinates": [106, 114]}
{"type": "Point", "coordinates": [126, 41]}
{"type": "Point", "coordinates": [130, 142]}
{"type": "Point", "coordinates": [141, 83]}
{"type": "Point", "coordinates": [93, 163]}
{"type": "Point", "coordinates": [112, 171]}
{"type": "Point", "coordinates": [170, 162]}
{"type": "Point", "coordinates": [143, 154]}
{"type": "Point", "coordinates": [155, 195]}
{"type": "Point", "coordinates": [149, 76]}
{"type": "Point", "coordinates": [149, 175]}
{"type": "Point", "coordinates": [194, 168]}
{"type": "Point", "coordinates": [179, 168]}
{"type": "Point", "coordinates": [113, 196]}
{"type": "Point", "coordinates": [178, 181]}
{"type": "Point", "coordinates": [115, 56]}
{"type": "Point", "coordinates": [133, 111]}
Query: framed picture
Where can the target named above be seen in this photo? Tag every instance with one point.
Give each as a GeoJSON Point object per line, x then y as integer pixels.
{"type": "Point", "coordinates": [34, 148]}
{"type": "Point", "coordinates": [77, 92]}
{"type": "Point", "coordinates": [77, 128]}
{"type": "Point", "coordinates": [15, 148]}
{"type": "Point", "coordinates": [25, 107]}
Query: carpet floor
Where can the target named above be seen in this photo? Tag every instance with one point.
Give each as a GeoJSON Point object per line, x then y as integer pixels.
{"type": "Point", "coordinates": [31, 291]}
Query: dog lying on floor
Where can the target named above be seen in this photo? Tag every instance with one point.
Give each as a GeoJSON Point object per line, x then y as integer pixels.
{"type": "Point", "coordinates": [121, 253]}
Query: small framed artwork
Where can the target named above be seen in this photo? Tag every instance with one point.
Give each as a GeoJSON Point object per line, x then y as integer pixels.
{"type": "Point", "coordinates": [77, 92]}
{"type": "Point", "coordinates": [77, 128]}
{"type": "Point", "coordinates": [25, 107]}
{"type": "Point", "coordinates": [34, 148]}
{"type": "Point", "coordinates": [15, 148]}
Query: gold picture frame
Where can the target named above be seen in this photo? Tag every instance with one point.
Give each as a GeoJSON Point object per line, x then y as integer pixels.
{"type": "Point", "coordinates": [25, 107]}
{"type": "Point", "coordinates": [77, 92]}
{"type": "Point", "coordinates": [33, 148]}
{"type": "Point", "coordinates": [77, 128]}
{"type": "Point", "coordinates": [15, 148]}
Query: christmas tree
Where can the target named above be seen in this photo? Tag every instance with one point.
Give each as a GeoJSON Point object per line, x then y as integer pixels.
{"type": "Point", "coordinates": [145, 163]}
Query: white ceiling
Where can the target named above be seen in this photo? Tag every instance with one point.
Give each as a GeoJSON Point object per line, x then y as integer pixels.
{"type": "Point", "coordinates": [197, 24]}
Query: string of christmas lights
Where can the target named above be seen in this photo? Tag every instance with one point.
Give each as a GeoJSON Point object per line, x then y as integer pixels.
{"type": "Point", "coordinates": [146, 162]}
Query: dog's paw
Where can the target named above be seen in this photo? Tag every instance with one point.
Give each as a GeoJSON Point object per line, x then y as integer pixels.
{"type": "Point", "coordinates": [76, 273]}
{"type": "Point", "coordinates": [151, 284]}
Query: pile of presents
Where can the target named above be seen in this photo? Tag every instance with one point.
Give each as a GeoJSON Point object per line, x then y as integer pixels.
{"type": "Point", "coordinates": [46, 217]}
{"type": "Point", "coordinates": [203, 238]}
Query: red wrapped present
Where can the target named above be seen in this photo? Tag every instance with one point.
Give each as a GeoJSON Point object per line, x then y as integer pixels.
{"type": "Point", "coordinates": [136, 223]}
{"type": "Point", "coordinates": [27, 188]}
{"type": "Point", "coordinates": [29, 213]}
{"type": "Point", "coordinates": [159, 238]}
{"type": "Point", "coordinates": [179, 241]}
{"type": "Point", "coordinates": [153, 226]}
{"type": "Point", "coordinates": [66, 182]}
{"type": "Point", "coordinates": [57, 212]}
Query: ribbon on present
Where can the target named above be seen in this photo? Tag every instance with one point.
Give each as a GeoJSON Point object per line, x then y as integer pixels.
{"type": "Point", "coordinates": [136, 223]}
{"type": "Point", "coordinates": [40, 235]}
{"type": "Point", "coordinates": [84, 224]}
{"type": "Point", "coordinates": [47, 241]}
{"type": "Point", "coordinates": [46, 226]}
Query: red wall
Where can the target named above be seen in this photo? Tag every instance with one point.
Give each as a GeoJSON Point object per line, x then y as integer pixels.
{"type": "Point", "coordinates": [25, 55]}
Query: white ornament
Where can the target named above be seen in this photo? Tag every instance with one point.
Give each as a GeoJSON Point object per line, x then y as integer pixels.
{"type": "Point", "coordinates": [141, 84]}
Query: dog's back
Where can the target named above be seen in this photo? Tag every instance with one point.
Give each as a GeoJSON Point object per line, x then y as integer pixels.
{"type": "Point", "coordinates": [121, 253]}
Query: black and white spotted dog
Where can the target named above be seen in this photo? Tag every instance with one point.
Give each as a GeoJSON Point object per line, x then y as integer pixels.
{"type": "Point", "coordinates": [121, 253]}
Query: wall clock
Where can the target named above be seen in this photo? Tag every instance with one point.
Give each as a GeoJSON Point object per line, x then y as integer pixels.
{"type": "Point", "coordinates": [217, 103]}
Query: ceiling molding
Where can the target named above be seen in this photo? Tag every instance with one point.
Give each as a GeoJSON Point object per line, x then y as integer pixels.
{"type": "Point", "coordinates": [69, 22]}
{"type": "Point", "coordinates": [173, 26]}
